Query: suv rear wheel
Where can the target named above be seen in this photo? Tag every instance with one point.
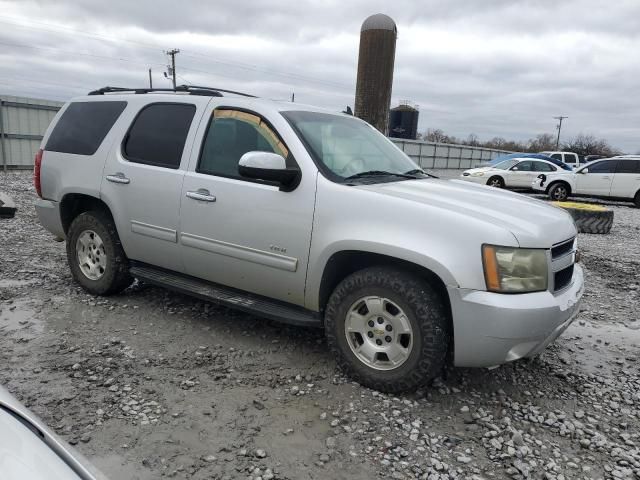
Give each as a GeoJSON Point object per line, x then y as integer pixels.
{"type": "Point", "coordinates": [388, 329]}
{"type": "Point", "coordinates": [95, 255]}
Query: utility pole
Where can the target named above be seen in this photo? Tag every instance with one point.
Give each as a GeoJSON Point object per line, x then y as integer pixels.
{"type": "Point", "coordinates": [293, 97]}
{"type": "Point", "coordinates": [172, 68]}
{"type": "Point", "coordinates": [150, 80]}
{"type": "Point", "coordinates": [559, 127]}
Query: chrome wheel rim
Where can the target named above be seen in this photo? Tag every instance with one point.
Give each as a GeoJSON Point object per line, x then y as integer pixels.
{"type": "Point", "coordinates": [379, 333]}
{"type": "Point", "coordinates": [495, 183]}
{"type": "Point", "coordinates": [91, 256]}
{"type": "Point", "coordinates": [560, 193]}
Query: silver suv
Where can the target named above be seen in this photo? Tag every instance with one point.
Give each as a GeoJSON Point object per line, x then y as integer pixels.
{"type": "Point", "coordinates": [309, 217]}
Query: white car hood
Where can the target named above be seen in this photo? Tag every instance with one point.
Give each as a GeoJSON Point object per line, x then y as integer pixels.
{"type": "Point", "coordinates": [534, 223]}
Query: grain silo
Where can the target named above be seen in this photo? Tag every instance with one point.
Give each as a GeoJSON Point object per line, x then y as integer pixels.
{"type": "Point", "coordinates": [375, 70]}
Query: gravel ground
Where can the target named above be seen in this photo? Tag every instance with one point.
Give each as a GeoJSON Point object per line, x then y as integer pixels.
{"type": "Point", "coordinates": [151, 384]}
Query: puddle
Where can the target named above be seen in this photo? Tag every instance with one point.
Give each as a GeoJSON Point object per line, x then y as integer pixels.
{"type": "Point", "coordinates": [603, 348]}
{"type": "Point", "coordinates": [7, 283]}
{"type": "Point", "coordinates": [20, 316]}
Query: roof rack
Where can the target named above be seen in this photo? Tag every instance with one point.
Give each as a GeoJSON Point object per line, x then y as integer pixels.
{"type": "Point", "coordinates": [190, 89]}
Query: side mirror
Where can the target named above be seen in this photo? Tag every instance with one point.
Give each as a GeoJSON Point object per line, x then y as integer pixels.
{"type": "Point", "coordinates": [270, 167]}
{"type": "Point", "coordinates": [584, 170]}
{"type": "Point", "coordinates": [514, 169]}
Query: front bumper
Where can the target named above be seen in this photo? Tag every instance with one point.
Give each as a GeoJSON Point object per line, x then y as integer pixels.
{"type": "Point", "coordinates": [492, 328]}
{"type": "Point", "coordinates": [49, 215]}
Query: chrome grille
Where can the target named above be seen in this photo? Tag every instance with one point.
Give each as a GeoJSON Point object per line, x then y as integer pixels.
{"type": "Point", "coordinates": [563, 257]}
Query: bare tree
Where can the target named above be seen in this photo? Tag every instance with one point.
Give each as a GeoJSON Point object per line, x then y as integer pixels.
{"type": "Point", "coordinates": [587, 144]}
{"type": "Point", "coordinates": [542, 142]}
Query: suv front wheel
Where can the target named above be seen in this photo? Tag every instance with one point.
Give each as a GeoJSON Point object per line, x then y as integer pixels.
{"type": "Point", "coordinates": [388, 329]}
{"type": "Point", "coordinates": [95, 255]}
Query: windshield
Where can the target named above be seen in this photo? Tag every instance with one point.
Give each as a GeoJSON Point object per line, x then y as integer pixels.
{"type": "Point", "coordinates": [506, 165]}
{"type": "Point", "coordinates": [344, 147]}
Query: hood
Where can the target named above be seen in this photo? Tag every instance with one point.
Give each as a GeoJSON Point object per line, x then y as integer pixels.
{"type": "Point", "coordinates": [534, 223]}
{"type": "Point", "coordinates": [480, 169]}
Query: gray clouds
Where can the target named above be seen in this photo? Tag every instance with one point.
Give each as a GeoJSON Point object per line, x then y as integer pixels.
{"type": "Point", "coordinates": [494, 68]}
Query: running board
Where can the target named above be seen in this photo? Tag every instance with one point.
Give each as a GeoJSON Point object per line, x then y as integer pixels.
{"type": "Point", "coordinates": [233, 298]}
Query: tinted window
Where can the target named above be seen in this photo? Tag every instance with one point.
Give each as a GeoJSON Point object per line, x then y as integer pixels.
{"type": "Point", "coordinates": [158, 134]}
{"type": "Point", "coordinates": [557, 156]}
{"type": "Point", "coordinates": [543, 167]}
{"type": "Point", "coordinates": [83, 126]}
{"type": "Point", "coordinates": [628, 166]}
{"type": "Point", "coordinates": [570, 158]}
{"type": "Point", "coordinates": [524, 166]}
{"type": "Point", "coordinates": [606, 166]}
{"type": "Point", "coordinates": [231, 134]}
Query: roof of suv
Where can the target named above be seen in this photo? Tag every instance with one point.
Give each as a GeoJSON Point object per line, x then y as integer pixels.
{"type": "Point", "coordinates": [193, 93]}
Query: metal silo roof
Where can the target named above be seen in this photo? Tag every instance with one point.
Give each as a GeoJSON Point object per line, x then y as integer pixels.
{"type": "Point", "coordinates": [379, 21]}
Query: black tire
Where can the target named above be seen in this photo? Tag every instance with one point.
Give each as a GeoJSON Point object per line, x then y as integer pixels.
{"type": "Point", "coordinates": [589, 218]}
{"type": "Point", "coordinates": [637, 200]}
{"type": "Point", "coordinates": [496, 181]}
{"type": "Point", "coordinates": [425, 311]}
{"type": "Point", "coordinates": [559, 191]}
{"type": "Point", "coordinates": [116, 275]}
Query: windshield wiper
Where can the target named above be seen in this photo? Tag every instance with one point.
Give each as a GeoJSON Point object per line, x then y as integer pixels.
{"type": "Point", "coordinates": [380, 173]}
{"type": "Point", "coordinates": [417, 171]}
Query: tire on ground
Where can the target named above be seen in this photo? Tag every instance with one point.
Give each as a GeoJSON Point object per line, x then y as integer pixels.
{"type": "Point", "coordinates": [116, 276]}
{"type": "Point", "coordinates": [589, 218]}
{"type": "Point", "coordinates": [425, 310]}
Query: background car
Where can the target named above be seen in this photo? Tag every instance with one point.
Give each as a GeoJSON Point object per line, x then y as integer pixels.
{"type": "Point", "coordinates": [539, 156]}
{"type": "Point", "coordinates": [513, 173]}
{"type": "Point", "coordinates": [615, 178]}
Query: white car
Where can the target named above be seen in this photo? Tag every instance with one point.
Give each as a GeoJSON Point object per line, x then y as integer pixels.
{"type": "Point", "coordinates": [512, 173]}
{"type": "Point", "coordinates": [616, 178]}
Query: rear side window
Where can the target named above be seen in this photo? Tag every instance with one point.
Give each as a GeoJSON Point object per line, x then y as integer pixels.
{"type": "Point", "coordinates": [543, 167]}
{"type": "Point", "coordinates": [628, 166]}
{"type": "Point", "coordinates": [83, 126]}
{"type": "Point", "coordinates": [158, 134]}
{"type": "Point", "coordinates": [557, 156]}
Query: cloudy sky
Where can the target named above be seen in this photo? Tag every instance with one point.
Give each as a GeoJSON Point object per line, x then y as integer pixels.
{"type": "Point", "coordinates": [491, 67]}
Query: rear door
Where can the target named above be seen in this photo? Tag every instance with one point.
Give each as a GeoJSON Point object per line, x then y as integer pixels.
{"type": "Point", "coordinates": [626, 181]}
{"type": "Point", "coordinates": [596, 178]}
{"type": "Point", "coordinates": [143, 178]}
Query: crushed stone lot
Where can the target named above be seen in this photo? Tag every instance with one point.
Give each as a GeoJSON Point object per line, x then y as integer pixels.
{"type": "Point", "coordinates": [150, 384]}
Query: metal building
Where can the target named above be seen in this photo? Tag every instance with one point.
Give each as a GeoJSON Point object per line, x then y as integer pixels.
{"type": "Point", "coordinates": [23, 122]}
{"type": "Point", "coordinates": [375, 70]}
{"type": "Point", "coordinates": [403, 121]}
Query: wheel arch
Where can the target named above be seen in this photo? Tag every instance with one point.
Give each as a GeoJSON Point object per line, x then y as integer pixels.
{"type": "Point", "coordinates": [557, 181]}
{"type": "Point", "coordinates": [345, 262]}
{"type": "Point", "coordinates": [73, 204]}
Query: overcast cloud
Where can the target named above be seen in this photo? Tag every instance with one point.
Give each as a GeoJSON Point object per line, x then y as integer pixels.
{"type": "Point", "coordinates": [491, 67]}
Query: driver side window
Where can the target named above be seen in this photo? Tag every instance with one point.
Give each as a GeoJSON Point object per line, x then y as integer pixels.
{"type": "Point", "coordinates": [231, 134]}
{"type": "Point", "coordinates": [523, 167]}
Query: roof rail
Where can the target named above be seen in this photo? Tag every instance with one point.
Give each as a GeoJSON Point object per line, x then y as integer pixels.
{"type": "Point", "coordinates": [190, 89]}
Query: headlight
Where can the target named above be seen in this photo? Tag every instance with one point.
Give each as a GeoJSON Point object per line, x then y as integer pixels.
{"type": "Point", "coordinates": [477, 174]}
{"type": "Point", "coordinates": [514, 270]}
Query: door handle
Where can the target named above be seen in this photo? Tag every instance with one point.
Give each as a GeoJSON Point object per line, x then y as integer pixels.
{"type": "Point", "coordinates": [118, 178]}
{"type": "Point", "coordinates": [202, 195]}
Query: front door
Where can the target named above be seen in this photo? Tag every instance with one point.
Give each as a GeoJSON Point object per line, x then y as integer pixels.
{"type": "Point", "coordinates": [597, 181]}
{"type": "Point", "coordinates": [240, 232]}
{"type": "Point", "coordinates": [521, 175]}
{"type": "Point", "coordinates": [143, 181]}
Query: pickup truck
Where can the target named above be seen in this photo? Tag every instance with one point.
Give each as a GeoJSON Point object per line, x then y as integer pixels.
{"type": "Point", "coordinates": [306, 216]}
